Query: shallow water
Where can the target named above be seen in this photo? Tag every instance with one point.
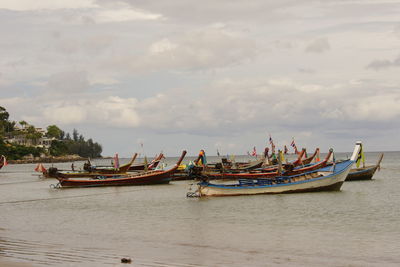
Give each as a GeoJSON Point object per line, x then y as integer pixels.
{"type": "Point", "coordinates": [159, 226]}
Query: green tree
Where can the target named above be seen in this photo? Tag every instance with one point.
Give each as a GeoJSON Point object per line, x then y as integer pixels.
{"type": "Point", "coordinates": [75, 135]}
{"type": "Point", "coordinates": [54, 131]}
{"type": "Point", "coordinates": [58, 148]}
{"type": "Point", "coordinates": [23, 124]}
{"type": "Point", "coordinates": [4, 115]}
{"type": "Point", "coordinates": [33, 135]}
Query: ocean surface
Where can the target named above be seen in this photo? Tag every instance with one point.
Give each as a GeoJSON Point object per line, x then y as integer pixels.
{"type": "Point", "coordinates": [158, 226]}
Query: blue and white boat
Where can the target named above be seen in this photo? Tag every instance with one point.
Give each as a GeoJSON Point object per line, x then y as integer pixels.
{"type": "Point", "coordinates": [329, 178]}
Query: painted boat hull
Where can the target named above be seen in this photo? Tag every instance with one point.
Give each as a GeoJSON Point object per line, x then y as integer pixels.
{"type": "Point", "coordinates": [330, 182]}
{"type": "Point", "coordinates": [361, 174]}
{"type": "Point", "coordinates": [364, 173]}
{"type": "Point", "coordinates": [146, 178]}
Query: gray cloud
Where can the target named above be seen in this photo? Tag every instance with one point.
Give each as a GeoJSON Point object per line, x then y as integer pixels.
{"type": "Point", "coordinates": [203, 49]}
{"type": "Point", "coordinates": [318, 46]}
{"type": "Point", "coordinates": [384, 64]}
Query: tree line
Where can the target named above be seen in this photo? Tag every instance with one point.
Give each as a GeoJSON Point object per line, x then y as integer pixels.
{"type": "Point", "coordinates": [62, 144]}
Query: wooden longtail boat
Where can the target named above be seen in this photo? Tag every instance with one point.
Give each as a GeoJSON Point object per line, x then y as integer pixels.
{"type": "Point", "coordinates": [91, 172]}
{"type": "Point", "coordinates": [364, 173]}
{"type": "Point", "coordinates": [329, 178]}
{"type": "Point", "coordinates": [109, 170]}
{"type": "Point", "coordinates": [268, 173]}
{"type": "Point", "coordinates": [150, 166]}
{"type": "Point", "coordinates": [145, 178]}
{"type": "Point", "coordinates": [310, 159]}
{"type": "Point", "coordinates": [251, 165]}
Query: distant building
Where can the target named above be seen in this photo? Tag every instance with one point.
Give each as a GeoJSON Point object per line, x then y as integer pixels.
{"type": "Point", "coordinates": [20, 139]}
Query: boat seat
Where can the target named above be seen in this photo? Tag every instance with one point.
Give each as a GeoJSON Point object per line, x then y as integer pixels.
{"type": "Point", "coordinates": [246, 182]}
{"type": "Point", "coordinates": [282, 180]}
{"type": "Point", "coordinates": [264, 182]}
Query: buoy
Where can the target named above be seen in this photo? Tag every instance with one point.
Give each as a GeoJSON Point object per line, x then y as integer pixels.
{"type": "Point", "coordinates": [126, 260]}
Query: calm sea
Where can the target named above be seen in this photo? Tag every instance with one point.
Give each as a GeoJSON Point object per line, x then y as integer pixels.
{"type": "Point", "coordinates": [159, 226]}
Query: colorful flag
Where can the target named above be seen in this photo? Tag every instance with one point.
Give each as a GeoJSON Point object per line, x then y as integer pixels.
{"type": "Point", "coordinates": [202, 158]}
{"type": "Point", "coordinates": [360, 157]}
{"type": "Point", "coordinates": [272, 144]}
{"type": "Point", "coordinates": [293, 144]}
{"type": "Point", "coordinates": [282, 157]}
{"type": "Point", "coordinates": [254, 153]}
{"type": "Point", "coordinates": [116, 161]}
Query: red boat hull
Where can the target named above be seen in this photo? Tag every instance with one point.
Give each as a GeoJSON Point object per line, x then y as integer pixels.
{"type": "Point", "coordinates": [147, 178]}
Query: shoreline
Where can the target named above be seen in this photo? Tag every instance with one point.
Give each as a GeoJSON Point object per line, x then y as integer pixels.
{"type": "Point", "coordinates": [70, 158]}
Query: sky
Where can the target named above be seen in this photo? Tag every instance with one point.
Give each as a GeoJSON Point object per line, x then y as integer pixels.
{"type": "Point", "coordinates": [184, 74]}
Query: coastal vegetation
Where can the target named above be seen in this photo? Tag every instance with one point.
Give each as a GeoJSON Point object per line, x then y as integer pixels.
{"type": "Point", "coordinates": [21, 139]}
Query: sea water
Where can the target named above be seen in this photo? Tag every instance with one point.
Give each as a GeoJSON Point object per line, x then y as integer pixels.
{"type": "Point", "coordinates": [158, 226]}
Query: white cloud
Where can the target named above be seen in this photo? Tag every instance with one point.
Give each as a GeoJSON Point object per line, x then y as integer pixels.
{"type": "Point", "coordinates": [162, 46]}
{"type": "Point", "coordinates": [192, 51]}
{"type": "Point", "coordinates": [123, 14]}
{"type": "Point", "coordinates": [111, 111]}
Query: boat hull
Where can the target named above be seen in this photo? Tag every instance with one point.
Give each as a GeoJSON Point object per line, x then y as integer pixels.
{"type": "Point", "coordinates": [330, 182]}
{"type": "Point", "coordinates": [146, 178]}
{"type": "Point", "coordinates": [364, 173]}
{"type": "Point", "coordinates": [161, 179]}
{"type": "Point", "coordinates": [361, 174]}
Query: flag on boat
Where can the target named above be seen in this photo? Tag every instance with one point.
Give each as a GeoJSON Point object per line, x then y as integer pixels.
{"type": "Point", "coordinates": [272, 144]}
{"type": "Point", "coordinates": [281, 157]}
{"type": "Point", "coordinates": [360, 157]}
{"type": "Point", "coordinates": [40, 168]}
{"type": "Point", "coordinates": [317, 159]}
{"type": "Point", "coordinates": [293, 144]}
{"type": "Point", "coordinates": [116, 161]}
{"type": "Point", "coordinates": [202, 158]}
{"type": "Point", "coordinates": [254, 153]}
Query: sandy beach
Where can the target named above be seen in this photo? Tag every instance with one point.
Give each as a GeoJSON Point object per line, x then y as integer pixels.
{"type": "Point", "coordinates": [7, 263]}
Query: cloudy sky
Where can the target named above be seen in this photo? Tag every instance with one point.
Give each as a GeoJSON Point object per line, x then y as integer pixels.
{"type": "Point", "coordinates": [183, 74]}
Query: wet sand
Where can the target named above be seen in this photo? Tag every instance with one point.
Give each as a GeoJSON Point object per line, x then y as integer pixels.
{"type": "Point", "coordinates": [8, 263]}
